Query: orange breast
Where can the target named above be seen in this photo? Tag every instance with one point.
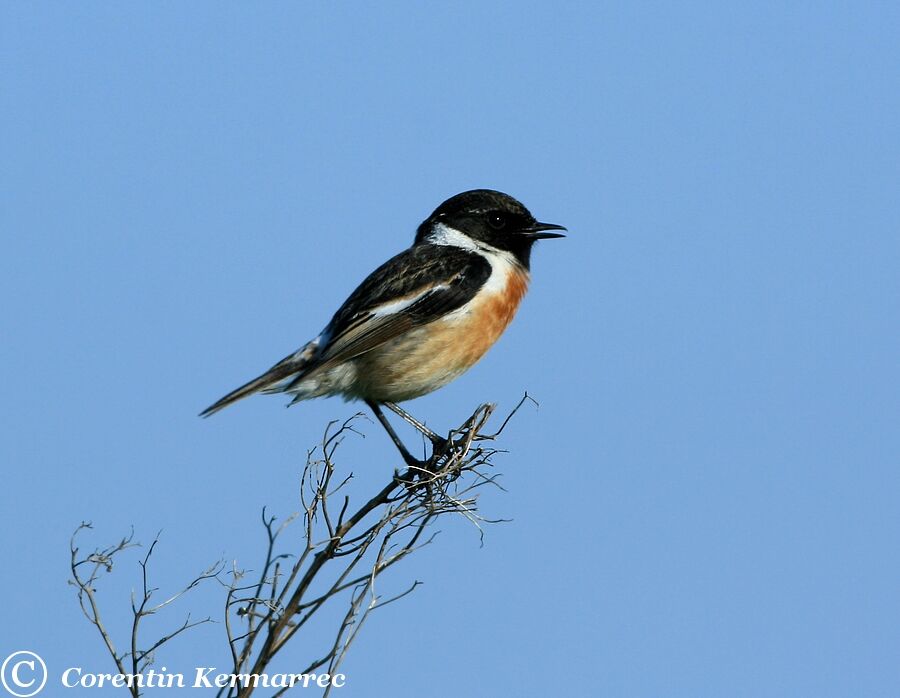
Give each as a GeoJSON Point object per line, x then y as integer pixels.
{"type": "Point", "coordinates": [429, 357]}
{"type": "Point", "coordinates": [489, 316]}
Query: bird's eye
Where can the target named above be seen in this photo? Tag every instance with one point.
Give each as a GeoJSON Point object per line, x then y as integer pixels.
{"type": "Point", "coordinates": [497, 221]}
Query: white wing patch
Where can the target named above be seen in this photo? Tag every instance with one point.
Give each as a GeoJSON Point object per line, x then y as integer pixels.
{"type": "Point", "coordinates": [397, 306]}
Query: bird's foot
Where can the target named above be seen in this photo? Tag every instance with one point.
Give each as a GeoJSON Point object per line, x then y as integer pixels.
{"type": "Point", "coordinates": [439, 446]}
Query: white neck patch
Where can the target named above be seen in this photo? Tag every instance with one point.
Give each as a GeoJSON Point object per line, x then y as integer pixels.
{"type": "Point", "coordinates": [503, 263]}
{"type": "Point", "coordinates": [442, 234]}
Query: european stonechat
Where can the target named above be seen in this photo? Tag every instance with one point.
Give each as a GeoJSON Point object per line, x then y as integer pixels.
{"type": "Point", "coordinates": [423, 317]}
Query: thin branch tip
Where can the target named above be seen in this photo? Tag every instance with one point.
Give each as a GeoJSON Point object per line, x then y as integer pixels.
{"type": "Point", "coordinates": [347, 543]}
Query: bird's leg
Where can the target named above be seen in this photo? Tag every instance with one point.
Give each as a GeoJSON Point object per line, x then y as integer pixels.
{"type": "Point", "coordinates": [438, 443]}
{"type": "Point", "coordinates": [411, 460]}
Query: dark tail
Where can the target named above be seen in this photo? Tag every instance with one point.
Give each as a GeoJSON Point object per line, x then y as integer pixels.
{"type": "Point", "coordinates": [288, 367]}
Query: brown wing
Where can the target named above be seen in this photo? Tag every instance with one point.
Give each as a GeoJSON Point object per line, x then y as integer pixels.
{"type": "Point", "coordinates": [414, 288]}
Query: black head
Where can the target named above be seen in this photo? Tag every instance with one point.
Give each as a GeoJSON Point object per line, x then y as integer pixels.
{"type": "Point", "coordinates": [488, 217]}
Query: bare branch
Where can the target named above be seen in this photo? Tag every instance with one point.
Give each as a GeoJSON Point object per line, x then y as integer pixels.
{"type": "Point", "coordinates": [100, 562]}
{"type": "Point", "coordinates": [348, 546]}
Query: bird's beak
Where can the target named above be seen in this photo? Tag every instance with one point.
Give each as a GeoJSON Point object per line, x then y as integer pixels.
{"type": "Point", "coordinates": [541, 231]}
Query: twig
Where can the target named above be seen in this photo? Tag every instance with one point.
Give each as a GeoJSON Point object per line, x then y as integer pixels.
{"type": "Point", "coordinates": [347, 548]}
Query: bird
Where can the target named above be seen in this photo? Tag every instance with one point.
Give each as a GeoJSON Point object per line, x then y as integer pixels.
{"type": "Point", "coordinates": [422, 318]}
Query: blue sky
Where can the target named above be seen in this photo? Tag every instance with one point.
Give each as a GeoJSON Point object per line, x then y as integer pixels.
{"type": "Point", "coordinates": [706, 501]}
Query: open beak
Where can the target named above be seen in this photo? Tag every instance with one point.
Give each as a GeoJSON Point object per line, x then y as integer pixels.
{"type": "Point", "coordinates": [541, 231]}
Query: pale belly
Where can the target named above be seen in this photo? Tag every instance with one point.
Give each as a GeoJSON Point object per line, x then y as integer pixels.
{"type": "Point", "coordinates": [425, 358]}
{"type": "Point", "coordinates": [429, 357]}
